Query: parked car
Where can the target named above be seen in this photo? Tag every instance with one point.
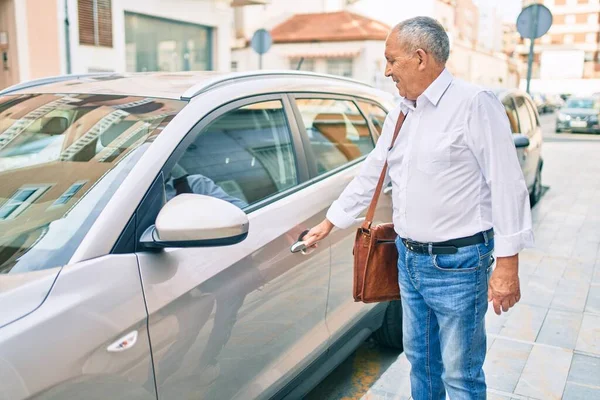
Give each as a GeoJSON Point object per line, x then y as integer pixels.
{"type": "Point", "coordinates": [145, 231]}
{"type": "Point", "coordinates": [580, 114]}
{"type": "Point", "coordinates": [527, 134]}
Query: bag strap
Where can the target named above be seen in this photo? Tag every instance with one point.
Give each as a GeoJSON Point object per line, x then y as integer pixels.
{"type": "Point", "coordinates": [371, 210]}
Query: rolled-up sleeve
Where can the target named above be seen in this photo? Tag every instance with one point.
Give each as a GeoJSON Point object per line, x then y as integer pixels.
{"type": "Point", "coordinates": [356, 197]}
{"type": "Point", "coordinates": [489, 136]}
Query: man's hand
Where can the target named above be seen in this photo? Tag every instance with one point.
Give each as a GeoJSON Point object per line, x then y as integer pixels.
{"type": "Point", "coordinates": [317, 233]}
{"type": "Point", "coordinates": [504, 288]}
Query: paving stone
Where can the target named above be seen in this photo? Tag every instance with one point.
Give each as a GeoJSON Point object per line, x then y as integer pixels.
{"type": "Point", "coordinates": [504, 363]}
{"type": "Point", "coordinates": [585, 370]}
{"type": "Point", "coordinates": [593, 300]}
{"type": "Point", "coordinates": [552, 267]}
{"type": "Point", "coordinates": [570, 295]}
{"type": "Point", "coordinates": [574, 391]}
{"type": "Point", "coordinates": [495, 323]}
{"type": "Point", "coordinates": [589, 334]}
{"type": "Point", "coordinates": [560, 328]}
{"type": "Point", "coordinates": [524, 322]}
{"type": "Point", "coordinates": [579, 272]}
{"type": "Point", "coordinates": [539, 290]}
{"type": "Point", "coordinates": [545, 374]}
{"type": "Point", "coordinates": [585, 249]}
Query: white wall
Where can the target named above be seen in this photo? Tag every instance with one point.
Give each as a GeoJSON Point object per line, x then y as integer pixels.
{"type": "Point", "coordinates": [211, 13]}
{"type": "Point", "coordinates": [277, 11]}
{"type": "Point", "coordinates": [368, 64]}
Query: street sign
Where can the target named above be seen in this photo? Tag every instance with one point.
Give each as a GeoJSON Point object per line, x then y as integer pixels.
{"type": "Point", "coordinates": [533, 22]}
{"type": "Point", "coordinates": [261, 43]}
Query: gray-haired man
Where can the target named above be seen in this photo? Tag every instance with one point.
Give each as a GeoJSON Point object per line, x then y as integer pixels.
{"type": "Point", "coordinates": [456, 183]}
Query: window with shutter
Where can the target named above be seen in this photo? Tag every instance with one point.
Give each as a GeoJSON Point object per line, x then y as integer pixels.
{"type": "Point", "coordinates": [95, 22]}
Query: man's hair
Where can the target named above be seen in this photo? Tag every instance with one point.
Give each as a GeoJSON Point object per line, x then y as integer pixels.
{"type": "Point", "coordinates": [427, 34]}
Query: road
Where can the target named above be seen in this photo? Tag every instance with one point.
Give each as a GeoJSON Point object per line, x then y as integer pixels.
{"type": "Point", "coordinates": [548, 345]}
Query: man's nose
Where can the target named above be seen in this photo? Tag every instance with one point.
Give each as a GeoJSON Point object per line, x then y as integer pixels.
{"type": "Point", "coordinates": [388, 71]}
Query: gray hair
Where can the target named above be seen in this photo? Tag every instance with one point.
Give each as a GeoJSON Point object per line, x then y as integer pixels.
{"type": "Point", "coordinates": [425, 33]}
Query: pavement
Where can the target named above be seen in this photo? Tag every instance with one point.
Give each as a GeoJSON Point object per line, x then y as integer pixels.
{"type": "Point", "coordinates": [548, 345]}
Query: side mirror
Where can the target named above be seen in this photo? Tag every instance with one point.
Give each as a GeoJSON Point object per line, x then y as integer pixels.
{"type": "Point", "coordinates": [520, 141]}
{"type": "Point", "coordinates": [194, 220]}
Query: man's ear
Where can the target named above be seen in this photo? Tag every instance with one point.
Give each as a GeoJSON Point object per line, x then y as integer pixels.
{"type": "Point", "coordinates": [423, 59]}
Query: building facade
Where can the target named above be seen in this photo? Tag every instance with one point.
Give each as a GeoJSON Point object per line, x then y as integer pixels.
{"type": "Point", "coordinates": [40, 38]}
{"type": "Point", "coordinates": [571, 48]}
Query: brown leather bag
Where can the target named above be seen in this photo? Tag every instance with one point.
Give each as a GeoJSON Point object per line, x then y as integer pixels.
{"type": "Point", "coordinates": [375, 253]}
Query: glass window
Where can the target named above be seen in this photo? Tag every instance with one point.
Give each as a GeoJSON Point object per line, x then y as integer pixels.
{"type": "Point", "coordinates": [340, 66]}
{"type": "Point", "coordinates": [524, 117]}
{"type": "Point", "coordinates": [244, 156]}
{"type": "Point", "coordinates": [61, 159]}
{"type": "Point", "coordinates": [337, 131]}
{"type": "Point", "coordinates": [511, 113]}
{"type": "Point", "coordinates": [308, 64]}
{"type": "Point", "coordinates": [375, 114]}
{"type": "Point", "coordinates": [157, 44]}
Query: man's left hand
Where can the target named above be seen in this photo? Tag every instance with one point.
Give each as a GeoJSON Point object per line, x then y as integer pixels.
{"type": "Point", "coordinates": [504, 288]}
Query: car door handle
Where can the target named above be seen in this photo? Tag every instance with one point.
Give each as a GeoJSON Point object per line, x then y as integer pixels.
{"type": "Point", "coordinates": [299, 246]}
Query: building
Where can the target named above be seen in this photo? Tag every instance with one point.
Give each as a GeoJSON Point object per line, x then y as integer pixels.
{"type": "Point", "coordinates": [467, 23]}
{"type": "Point", "coordinates": [338, 43]}
{"type": "Point", "coordinates": [490, 26]}
{"type": "Point", "coordinates": [571, 48]}
{"type": "Point", "coordinates": [114, 36]}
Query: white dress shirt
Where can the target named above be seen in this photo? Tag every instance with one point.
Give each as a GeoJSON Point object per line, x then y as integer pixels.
{"type": "Point", "coordinates": [454, 170]}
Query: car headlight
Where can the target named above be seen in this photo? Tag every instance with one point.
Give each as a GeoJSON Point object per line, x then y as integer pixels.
{"type": "Point", "coordinates": [593, 118]}
{"type": "Point", "coordinates": [564, 117]}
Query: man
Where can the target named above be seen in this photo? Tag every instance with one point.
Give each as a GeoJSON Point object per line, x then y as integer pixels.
{"type": "Point", "coordinates": [458, 192]}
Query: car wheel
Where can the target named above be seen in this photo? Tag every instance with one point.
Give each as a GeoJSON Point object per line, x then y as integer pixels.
{"type": "Point", "coordinates": [390, 332]}
{"type": "Point", "coordinates": [558, 130]}
{"type": "Point", "coordinates": [536, 192]}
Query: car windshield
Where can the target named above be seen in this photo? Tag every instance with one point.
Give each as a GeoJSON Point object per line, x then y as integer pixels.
{"type": "Point", "coordinates": [61, 159]}
{"type": "Point", "coordinates": [581, 103]}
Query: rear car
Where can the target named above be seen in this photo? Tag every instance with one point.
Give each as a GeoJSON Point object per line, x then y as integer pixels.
{"type": "Point", "coordinates": [580, 114]}
{"type": "Point", "coordinates": [528, 138]}
{"type": "Point", "coordinates": [145, 231]}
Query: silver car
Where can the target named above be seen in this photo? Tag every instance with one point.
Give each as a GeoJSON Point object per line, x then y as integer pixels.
{"type": "Point", "coordinates": [146, 223]}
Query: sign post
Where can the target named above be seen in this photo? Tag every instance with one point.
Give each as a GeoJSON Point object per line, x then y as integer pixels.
{"type": "Point", "coordinates": [261, 43]}
{"type": "Point", "coordinates": [533, 22]}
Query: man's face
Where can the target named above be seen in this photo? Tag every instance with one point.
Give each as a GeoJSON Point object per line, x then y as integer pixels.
{"type": "Point", "coordinates": [400, 66]}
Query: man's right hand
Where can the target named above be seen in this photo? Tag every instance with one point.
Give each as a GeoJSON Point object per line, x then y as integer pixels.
{"type": "Point", "coordinates": [317, 233]}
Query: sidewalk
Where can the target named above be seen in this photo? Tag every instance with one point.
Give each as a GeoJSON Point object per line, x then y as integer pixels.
{"type": "Point", "coordinates": [548, 345]}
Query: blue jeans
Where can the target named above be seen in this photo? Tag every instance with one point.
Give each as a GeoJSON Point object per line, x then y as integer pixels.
{"type": "Point", "coordinates": [444, 301]}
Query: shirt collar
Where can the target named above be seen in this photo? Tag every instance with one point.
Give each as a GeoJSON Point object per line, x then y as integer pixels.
{"type": "Point", "coordinates": [436, 90]}
{"type": "Point", "coordinates": [433, 93]}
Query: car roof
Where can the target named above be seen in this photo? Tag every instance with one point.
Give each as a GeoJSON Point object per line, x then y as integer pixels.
{"type": "Point", "coordinates": [171, 85]}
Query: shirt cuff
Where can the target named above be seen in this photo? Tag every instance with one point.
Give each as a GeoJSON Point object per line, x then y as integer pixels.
{"type": "Point", "coordinates": [509, 245]}
{"type": "Point", "coordinates": [340, 218]}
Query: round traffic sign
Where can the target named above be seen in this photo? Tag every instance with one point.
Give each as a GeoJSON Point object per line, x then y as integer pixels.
{"type": "Point", "coordinates": [534, 21]}
{"type": "Point", "coordinates": [261, 41]}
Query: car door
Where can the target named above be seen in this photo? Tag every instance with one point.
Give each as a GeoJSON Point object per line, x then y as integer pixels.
{"type": "Point", "coordinates": [513, 119]}
{"type": "Point", "coordinates": [337, 137]}
{"type": "Point", "coordinates": [238, 322]}
{"type": "Point", "coordinates": [527, 154]}
{"type": "Point", "coordinates": [535, 139]}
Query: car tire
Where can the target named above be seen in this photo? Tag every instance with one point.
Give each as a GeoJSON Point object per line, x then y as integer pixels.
{"type": "Point", "coordinates": [390, 332]}
{"type": "Point", "coordinates": [536, 192]}
{"type": "Point", "coordinates": [558, 130]}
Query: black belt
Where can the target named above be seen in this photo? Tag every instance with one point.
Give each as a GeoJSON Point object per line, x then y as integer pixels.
{"type": "Point", "coordinates": [450, 246]}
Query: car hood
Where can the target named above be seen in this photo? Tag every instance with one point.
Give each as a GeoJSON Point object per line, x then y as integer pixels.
{"type": "Point", "coordinates": [22, 293]}
{"type": "Point", "coordinates": [579, 111]}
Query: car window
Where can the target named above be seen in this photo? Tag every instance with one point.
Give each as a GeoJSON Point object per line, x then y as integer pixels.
{"type": "Point", "coordinates": [337, 131]}
{"type": "Point", "coordinates": [532, 114]}
{"type": "Point", "coordinates": [511, 113]}
{"type": "Point", "coordinates": [243, 156]}
{"type": "Point", "coordinates": [375, 114]}
{"type": "Point", "coordinates": [61, 159]}
{"type": "Point", "coordinates": [524, 116]}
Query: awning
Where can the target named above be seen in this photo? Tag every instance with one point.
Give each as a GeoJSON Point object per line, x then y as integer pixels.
{"type": "Point", "coordinates": [324, 54]}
